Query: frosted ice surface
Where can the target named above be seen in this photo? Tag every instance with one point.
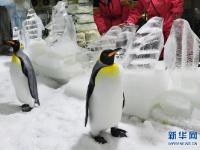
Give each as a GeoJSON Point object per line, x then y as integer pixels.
{"type": "Point", "coordinates": [145, 49]}
{"type": "Point", "coordinates": [116, 37]}
{"type": "Point", "coordinates": [5, 3]}
{"type": "Point", "coordinates": [142, 89]}
{"type": "Point", "coordinates": [182, 47]}
{"type": "Point", "coordinates": [176, 104]}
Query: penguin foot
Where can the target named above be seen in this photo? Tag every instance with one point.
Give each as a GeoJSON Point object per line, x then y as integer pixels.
{"type": "Point", "coordinates": [118, 132]}
{"type": "Point", "coordinates": [26, 108]}
{"type": "Point", "coordinates": [100, 140]}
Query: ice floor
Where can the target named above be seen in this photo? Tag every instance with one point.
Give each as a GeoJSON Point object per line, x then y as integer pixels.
{"type": "Point", "coordinates": [58, 124]}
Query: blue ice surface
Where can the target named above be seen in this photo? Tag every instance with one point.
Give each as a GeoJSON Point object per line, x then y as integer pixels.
{"type": "Point", "coordinates": [6, 2]}
{"type": "Point", "coordinates": [17, 14]}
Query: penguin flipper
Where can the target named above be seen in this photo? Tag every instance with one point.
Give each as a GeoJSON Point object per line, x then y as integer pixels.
{"type": "Point", "coordinates": [123, 100]}
{"type": "Point", "coordinates": [91, 86]}
{"type": "Point", "coordinates": [89, 93]}
{"type": "Point", "coordinates": [28, 71]}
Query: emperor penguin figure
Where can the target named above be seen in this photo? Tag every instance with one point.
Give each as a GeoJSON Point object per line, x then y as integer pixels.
{"type": "Point", "coordinates": [23, 77]}
{"type": "Point", "coordinates": [105, 97]}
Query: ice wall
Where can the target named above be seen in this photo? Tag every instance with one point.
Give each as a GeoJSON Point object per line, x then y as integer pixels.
{"type": "Point", "coordinates": [182, 47]}
{"type": "Point", "coordinates": [145, 48]}
{"type": "Point", "coordinates": [179, 104]}
{"type": "Point", "coordinates": [142, 90]}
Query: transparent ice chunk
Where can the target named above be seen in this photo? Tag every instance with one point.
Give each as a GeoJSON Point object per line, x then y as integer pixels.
{"type": "Point", "coordinates": [144, 50]}
{"type": "Point", "coordinates": [182, 47]}
{"type": "Point", "coordinates": [62, 25]}
{"type": "Point", "coordinates": [116, 37]}
{"type": "Point", "coordinates": [32, 26]}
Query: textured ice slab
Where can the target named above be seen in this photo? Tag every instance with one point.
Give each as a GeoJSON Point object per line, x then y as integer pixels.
{"type": "Point", "coordinates": [142, 90]}
{"type": "Point", "coordinates": [144, 50]}
{"type": "Point", "coordinates": [176, 104]}
{"type": "Point", "coordinates": [116, 37]}
{"type": "Point", "coordinates": [182, 47]}
{"type": "Point", "coordinates": [60, 61]}
{"type": "Point", "coordinates": [77, 87]}
{"type": "Point", "coordinates": [32, 27]}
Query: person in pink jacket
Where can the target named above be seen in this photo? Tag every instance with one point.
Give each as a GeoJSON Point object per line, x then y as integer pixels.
{"type": "Point", "coordinates": [167, 9]}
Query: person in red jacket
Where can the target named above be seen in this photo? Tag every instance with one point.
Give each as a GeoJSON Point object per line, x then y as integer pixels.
{"type": "Point", "coordinates": [108, 13]}
{"type": "Point", "coordinates": [167, 9]}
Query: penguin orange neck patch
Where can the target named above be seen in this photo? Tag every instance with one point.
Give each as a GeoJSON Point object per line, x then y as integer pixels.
{"type": "Point", "coordinates": [16, 60]}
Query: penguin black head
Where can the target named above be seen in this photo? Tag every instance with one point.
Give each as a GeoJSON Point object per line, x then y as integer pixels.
{"type": "Point", "coordinates": [108, 56]}
{"type": "Point", "coordinates": [15, 44]}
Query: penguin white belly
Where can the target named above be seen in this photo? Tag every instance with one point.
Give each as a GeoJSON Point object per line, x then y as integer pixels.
{"type": "Point", "coordinates": [106, 103]}
{"type": "Point", "coordinates": [21, 86]}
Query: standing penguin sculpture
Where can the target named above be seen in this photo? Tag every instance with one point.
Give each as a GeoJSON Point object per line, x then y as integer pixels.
{"type": "Point", "coordinates": [105, 97]}
{"type": "Point", "coordinates": [23, 77]}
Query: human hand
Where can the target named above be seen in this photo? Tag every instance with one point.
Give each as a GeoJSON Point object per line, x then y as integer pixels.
{"type": "Point", "coordinates": [102, 34]}
{"type": "Point", "coordinates": [176, 16]}
{"type": "Point", "coordinates": [122, 25]}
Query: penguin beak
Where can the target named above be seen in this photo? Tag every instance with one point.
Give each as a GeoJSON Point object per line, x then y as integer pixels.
{"type": "Point", "coordinates": [114, 52]}
{"type": "Point", "coordinates": [111, 54]}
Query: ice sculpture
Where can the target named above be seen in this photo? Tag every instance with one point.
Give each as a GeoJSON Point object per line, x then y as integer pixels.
{"type": "Point", "coordinates": [58, 57]}
{"type": "Point", "coordinates": [182, 47]}
{"type": "Point", "coordinates": [32, 26]}
{"type": "Point", "coordinates": [126, 36]}
{"type": "Point", "coordinates": [61, 26]}
{"type": "Point", "coordinates": [116, 37]}
{"type": "Point", "coordinates": [144, 51]}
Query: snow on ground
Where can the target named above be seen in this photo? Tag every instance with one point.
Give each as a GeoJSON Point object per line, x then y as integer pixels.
{"type": "Point", "coordinates": [58, 124]}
